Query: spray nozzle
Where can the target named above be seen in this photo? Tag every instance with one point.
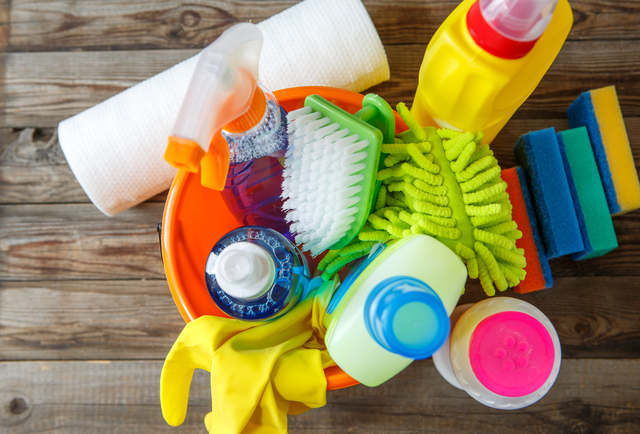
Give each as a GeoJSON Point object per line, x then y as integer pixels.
{"type": "Point", "coordinates": [520, 20]}
{"type": "Point", "coordinates": [223, 93]}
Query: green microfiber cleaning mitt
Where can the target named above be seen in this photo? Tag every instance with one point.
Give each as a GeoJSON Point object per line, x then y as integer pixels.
{"type": "Point", "coordinates": [444, 184]}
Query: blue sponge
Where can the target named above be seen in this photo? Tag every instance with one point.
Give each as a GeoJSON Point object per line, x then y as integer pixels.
{"type": "Point", "coordinates": [535, 232]}
{"type": "Point", "coordinates": [539, 154]}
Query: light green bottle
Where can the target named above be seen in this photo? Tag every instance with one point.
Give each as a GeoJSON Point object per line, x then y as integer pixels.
{"type": "Point", "coordinates": [394, 308]}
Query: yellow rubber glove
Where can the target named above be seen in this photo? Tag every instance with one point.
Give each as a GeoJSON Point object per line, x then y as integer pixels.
{"type": "Point", "coordinates": [259, 371]}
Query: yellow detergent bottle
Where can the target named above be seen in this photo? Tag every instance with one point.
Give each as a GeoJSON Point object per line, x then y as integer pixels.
{"type": "Point", "coordinates": [486, 59]}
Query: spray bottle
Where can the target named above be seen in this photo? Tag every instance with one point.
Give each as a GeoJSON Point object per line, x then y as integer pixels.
{"type": "Point", "coordinates": [232, 129]}
{"type": "Point", "coordinates": [485, 60]}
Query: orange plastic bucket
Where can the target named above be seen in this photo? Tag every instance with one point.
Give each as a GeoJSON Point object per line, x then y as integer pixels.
{"type": "Point", "coordinates": [195, 217]}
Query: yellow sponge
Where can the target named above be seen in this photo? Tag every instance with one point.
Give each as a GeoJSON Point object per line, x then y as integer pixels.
{"type": "Point", "coordinates": [599, 111]}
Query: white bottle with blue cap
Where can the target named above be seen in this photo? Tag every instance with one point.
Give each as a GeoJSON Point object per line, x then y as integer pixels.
{"type": "Point", "coordinates": [394, 308]}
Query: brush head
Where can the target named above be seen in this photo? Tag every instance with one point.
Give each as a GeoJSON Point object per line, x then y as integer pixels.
{"type": "Point", "coordinates": [329, 176]}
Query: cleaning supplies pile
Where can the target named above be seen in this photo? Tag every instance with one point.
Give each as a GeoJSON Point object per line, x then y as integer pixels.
{"type": "Point", "coordinates": [437, 210]}
{"type": "Point", "coordinates": [447, 185]}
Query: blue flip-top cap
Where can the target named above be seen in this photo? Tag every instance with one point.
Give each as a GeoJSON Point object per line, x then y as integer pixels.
{"type": "Point", "coordinates": [405, 316]}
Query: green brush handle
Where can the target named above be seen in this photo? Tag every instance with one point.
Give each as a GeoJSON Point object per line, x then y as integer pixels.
{"type": "Point", "coordinates": [379, 114]}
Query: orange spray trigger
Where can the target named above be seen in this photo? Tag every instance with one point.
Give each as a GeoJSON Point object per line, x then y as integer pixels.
{"type": "Point", "coordinates": [184, 154]}
{"type": "Point", "coordinates": [222, 90]}
{"type": "Point", "coordinates": [215, 164]}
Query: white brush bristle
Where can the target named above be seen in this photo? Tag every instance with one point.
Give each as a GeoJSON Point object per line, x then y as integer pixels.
{"type": "Point", "coordinates": [322, 182]}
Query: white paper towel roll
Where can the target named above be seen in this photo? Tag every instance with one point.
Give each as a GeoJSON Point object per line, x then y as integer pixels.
{"type": "Point", "coordinates": [116, 148]}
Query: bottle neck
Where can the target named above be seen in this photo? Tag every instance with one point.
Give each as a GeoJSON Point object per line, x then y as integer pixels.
{"type": "Point", "coordinates": [490, 40]}
{"type": "Point", "coordinates": [406, 317]}
{"type": "Point", "coordinates": [252, 116]}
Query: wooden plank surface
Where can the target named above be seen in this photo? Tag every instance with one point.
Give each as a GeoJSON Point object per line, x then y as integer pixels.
{"type": "Point", "coordinates": [121, 396]}
{"type": "Point", "coordinates": [86, 316]}
{"type": "Point", "coordinates": [76, 241]}
{"type": "Point", "coordinates": [44, 25]}
{"type": "Point", "coordinates": [86, 320]}
{"type": "Point", "coordinates": [69, 241]}
{"type": "Point", "coordinates": [44, 88]}
{"type": "Point", "coordinates": [596, 317]}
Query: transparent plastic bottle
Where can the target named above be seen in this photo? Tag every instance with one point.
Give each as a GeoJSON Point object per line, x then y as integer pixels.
{"type": "Point", "coordinates": [232, 129]}
{"type": "Point", "coordinates": [256, 274]}
{"type": "Point", "coordinates": [254, 182]}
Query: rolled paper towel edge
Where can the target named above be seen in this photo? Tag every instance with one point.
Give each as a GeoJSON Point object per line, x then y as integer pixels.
{"type": "Point", "coordinates": [109, 207]}
{"type": "Point", "coordinates": [107, 199]}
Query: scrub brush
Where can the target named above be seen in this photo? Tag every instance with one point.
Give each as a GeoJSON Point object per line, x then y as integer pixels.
{"type": "Point", "coordinates": [447, 185]}
{"type": "Point", "coordinates": [329, 179]}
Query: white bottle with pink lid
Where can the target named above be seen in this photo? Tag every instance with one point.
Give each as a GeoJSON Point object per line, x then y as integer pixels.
{"type": "Point", "coordinates": [502, 351]}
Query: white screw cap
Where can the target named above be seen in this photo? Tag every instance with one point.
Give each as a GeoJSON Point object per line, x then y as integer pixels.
{"type": "Point", "coordinates": [245, 271]}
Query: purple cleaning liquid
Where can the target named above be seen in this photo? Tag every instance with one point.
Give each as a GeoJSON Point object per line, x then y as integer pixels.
{"type": "Point", "coordinates": [254, 183]}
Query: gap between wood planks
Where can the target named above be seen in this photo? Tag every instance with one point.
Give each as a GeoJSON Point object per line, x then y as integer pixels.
{"type": "Point", "coordinates": [88, 396]}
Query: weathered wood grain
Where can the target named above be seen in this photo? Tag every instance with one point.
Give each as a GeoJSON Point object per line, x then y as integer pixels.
{"type": "Point", "coordinates": [91, 397]}
{"type": "Point", "coordinates": [75, 241]}
{"type": "Point", "coordinates": [596, 317]}
{"type": "Point", "coordinates": [129, 319]}
{"type": "Point", "coordinates": [32, 25]}
{"type": "Point", "coordinates": [41, 89]}
{"type": "Point", "coordinates": [33, 169]}
{"type": "Point", "coordinates": [5, 25]}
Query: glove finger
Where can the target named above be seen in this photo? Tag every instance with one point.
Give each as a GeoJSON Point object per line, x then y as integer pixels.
{"type": "Point", "coordinates": [175, 381]}
{"type": "Point", "coordinates": [207, 421]}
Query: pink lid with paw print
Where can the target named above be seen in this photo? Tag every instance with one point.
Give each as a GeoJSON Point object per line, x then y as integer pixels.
{"type": "Point", "coordinates": [505, 353]}
{"type": "Point", "coordinates": [511, 353]}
